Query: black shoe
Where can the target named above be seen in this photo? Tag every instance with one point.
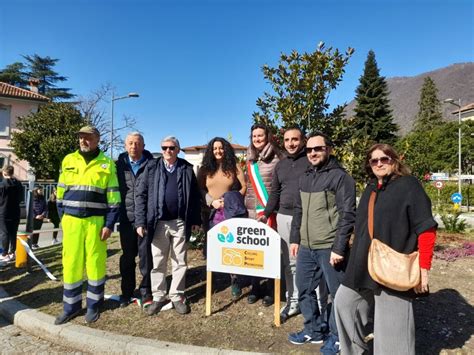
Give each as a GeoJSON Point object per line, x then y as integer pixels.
{"type": "Point", "coordinates": [181, 306]}
{"type": "Point", "coordinates": [124, 301]}
{"type": "Point", "coordinates": [267, 301]}
{"type": "Point", "coordinates": [252, 298]}
{"type": "Point", "coordinates": [155, 307]}
{"type": "Point", "coordinates": [64, 318]}
{"type": "Point", "coordinates": [92, 315]}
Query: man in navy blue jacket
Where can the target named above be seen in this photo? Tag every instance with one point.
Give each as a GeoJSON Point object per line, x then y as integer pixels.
{"type": "Point", "coordinates": [168, 209]}
{"type": "Point", "coordinates": [130, 166]}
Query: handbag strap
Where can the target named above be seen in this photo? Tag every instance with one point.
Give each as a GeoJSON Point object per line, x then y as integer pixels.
{"type": "Point", "coordinates": [371, 214]}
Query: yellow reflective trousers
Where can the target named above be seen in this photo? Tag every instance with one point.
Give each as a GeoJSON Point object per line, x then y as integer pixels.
{"type": "Point", "coordinates": [82, 247]}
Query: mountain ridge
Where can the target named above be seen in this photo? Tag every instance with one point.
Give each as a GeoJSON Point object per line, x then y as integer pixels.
{"type": "Point", "coordinates": [454, 81]}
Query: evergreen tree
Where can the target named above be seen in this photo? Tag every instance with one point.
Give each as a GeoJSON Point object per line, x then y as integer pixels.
{"type": "Point", "coordinates": [42, 68]}
{"type": "Point", "coordinates": [15, 74]}
{"type": "Point", "coordinates": [435, 150]}
{"type": "Point", "coordinates": [373, 119]}
{"type": "Point", "coordinates": [429, 113]}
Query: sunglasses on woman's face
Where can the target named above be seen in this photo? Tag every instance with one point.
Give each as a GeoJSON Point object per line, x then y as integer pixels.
{"type": "Point", "coordinates": [382, 160]}
{"type": "Point", "coordinates": [170, 148]}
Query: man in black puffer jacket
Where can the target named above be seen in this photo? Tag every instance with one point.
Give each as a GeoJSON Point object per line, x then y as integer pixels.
{"type": "Point", "coordinates": [130, 166]}
{"type": "Point", "coordinates": [323, 221]}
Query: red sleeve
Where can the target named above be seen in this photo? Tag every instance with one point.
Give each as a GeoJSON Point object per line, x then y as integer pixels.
{"type": "Point", "coordinates": [426, 242]}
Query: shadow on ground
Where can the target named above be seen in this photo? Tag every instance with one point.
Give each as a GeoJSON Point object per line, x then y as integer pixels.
{"type": "Point", "coordinates": [435, 330]}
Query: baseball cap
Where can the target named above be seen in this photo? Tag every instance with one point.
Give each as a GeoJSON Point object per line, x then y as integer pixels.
{"type": "Point", "coordinates": [90, 130]}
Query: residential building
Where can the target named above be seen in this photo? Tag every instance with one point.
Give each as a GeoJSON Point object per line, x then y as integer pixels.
{"type": "Point", "coordinates": [14, 103]}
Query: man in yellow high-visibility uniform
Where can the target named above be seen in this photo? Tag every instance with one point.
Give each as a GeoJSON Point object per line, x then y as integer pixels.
{"type": "Point", "coordinates": [88, 201]}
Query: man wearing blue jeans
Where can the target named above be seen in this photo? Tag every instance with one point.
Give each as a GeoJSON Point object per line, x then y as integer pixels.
{"type": "Point", "coordinates": [323, 220]}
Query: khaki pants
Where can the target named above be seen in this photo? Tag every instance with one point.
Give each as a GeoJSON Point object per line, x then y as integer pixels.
{"type": "Point", "coordinates": [169, 239]}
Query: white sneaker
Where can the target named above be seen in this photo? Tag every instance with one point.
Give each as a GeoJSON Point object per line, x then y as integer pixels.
{"type": "Point", "coordinates": [5, 258]}
{"type": "Point", "coordinates": [55, 241]}
{"type": "Point", "coordinates": [288, 311]}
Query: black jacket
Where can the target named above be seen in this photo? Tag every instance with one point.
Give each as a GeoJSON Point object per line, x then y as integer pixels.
{"type": "Point", "coordinates": [402, 211]}
{"type": "Point", "coordinates": [324, 212]}
{"type": "Point", "coordinates": [39, 206]}
{"type": "Point", "coordinates": [149, 196]}
{"type": "Point", "coordinates": [285, 184]}
{"type": "Point", "coordinates": [127, 184]}
{"type": "Point", "coordinates": [11, 195]}
{"type": "Point", "coordinates": [53, 214]}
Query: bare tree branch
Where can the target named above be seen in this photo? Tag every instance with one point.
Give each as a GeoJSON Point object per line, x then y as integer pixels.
{"type": "Point", "coordinates": [96, 110]}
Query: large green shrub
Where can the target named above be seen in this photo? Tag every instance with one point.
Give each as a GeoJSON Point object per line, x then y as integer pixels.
{"type": "Point", "coordinates": [444, 194]}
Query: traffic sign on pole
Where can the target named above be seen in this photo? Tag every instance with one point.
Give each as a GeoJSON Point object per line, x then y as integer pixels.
{"type": "Point", "coordinates": [439, 184]}
{"type": "Point", "coordinates": [456, 197]}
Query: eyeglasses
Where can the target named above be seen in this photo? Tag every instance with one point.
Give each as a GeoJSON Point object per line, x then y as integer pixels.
{"type": "Point", "coordinates": [163, 148]}
{"type": "Point", "coordinates": [316, 149]}
{"type": "Point", "coordinates": [382, 160]}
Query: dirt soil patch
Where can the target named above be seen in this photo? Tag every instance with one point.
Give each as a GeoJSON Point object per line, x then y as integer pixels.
{"type": "Point", "coordinates": [444, 320]}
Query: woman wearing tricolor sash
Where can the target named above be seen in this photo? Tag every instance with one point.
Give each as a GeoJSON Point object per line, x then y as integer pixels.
{"type": "Point", "coordinates": [262, 156]}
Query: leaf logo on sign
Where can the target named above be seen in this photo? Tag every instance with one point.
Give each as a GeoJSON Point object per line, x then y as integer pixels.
{"type": "Point", "coordinates": [225, 235]}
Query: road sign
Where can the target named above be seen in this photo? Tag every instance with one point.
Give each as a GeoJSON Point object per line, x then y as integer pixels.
{"type": "Point", "coordinates": [456, 197]}
{"type": "Point", "coordinates": [427, 176]}
{"type": "Point", "coordinates": [440, 176]}
{"type": "Point", "coordinates": [439, 184]}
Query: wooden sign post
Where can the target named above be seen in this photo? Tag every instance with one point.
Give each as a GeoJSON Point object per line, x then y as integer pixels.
{"type": "Point", "coordinates": [246, 247]}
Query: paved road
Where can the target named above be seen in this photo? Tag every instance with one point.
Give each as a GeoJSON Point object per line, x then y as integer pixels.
{"type": "Point", "coordinates": [46, 237]}
{"type": "Point", "coordinates": [14, 340]}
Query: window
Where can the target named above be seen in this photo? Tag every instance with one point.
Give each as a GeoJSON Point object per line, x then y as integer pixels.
{"type": "Point", "coordinates": [4, 120]}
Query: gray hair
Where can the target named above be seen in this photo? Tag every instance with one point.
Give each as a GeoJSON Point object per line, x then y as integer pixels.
{"type": "Point", "coordinates": [171, 139]}
{"type": "Point", "coordinates": [136, 134]}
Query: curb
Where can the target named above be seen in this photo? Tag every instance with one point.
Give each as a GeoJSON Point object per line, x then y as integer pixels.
{"type": "Point", "coordinates": [90, 339]}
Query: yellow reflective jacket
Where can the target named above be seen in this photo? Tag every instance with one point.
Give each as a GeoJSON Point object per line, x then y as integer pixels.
{"type": "Point", "coordinates": [86, 190]}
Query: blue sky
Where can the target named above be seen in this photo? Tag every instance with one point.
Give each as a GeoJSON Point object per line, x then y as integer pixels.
{"type": "Point", "coordinates": [197, 64]}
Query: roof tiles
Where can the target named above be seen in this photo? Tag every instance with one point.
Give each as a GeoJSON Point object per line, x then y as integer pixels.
{"type": "Point", "coordinates": [7, 90]}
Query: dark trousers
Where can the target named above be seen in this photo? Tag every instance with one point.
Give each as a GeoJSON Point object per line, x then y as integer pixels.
{"type": "Point", "coordinates": [262, 290]}
{"type": "Point", "coordinates": [311, 266]}
{"type": "Point", "coordinates": [37, 224]}
{"type": "Point", "coordinates": [133, 245]}
{"type": "Point", "coordinates": [8, 231]}
{"type": "Point", "coordinates": [56, 225]}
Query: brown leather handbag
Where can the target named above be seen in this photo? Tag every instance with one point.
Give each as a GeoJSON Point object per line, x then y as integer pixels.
{"type": "Point", "coordinates": [388, 267]}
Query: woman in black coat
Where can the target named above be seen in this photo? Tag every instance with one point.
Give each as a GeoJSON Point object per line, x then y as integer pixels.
{"type": "Point", "coordinates": [39, 214]}
{"type": "Point", "coordinates": [402, 220]}
{"type": "Point", "coordinates": [53, 215]}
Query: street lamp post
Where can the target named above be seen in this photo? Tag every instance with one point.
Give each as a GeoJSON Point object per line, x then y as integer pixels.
{"type": "Point", "coordinates": [129, 95]}
{"type": "Point", "coordinates": [458, 105]}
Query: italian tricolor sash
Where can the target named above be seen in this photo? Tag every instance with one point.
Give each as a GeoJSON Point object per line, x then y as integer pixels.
{"type": "Point", "coordinates": [261, 192]}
